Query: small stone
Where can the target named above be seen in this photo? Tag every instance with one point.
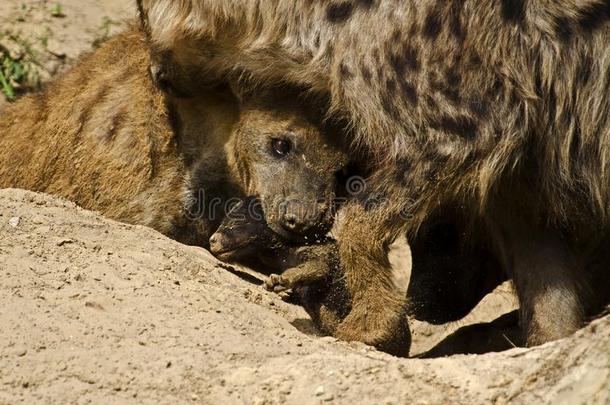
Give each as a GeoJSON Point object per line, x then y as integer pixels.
{"type": "Point", "coordinates": [14, 222]}
{"type": "Point", "coordinates": [63, 242]}
{"type": "Point", "coordinates": [320, 391]}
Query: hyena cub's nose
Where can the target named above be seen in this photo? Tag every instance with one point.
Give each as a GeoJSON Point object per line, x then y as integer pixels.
{"type": "Point", "coordinates": [216, 243]}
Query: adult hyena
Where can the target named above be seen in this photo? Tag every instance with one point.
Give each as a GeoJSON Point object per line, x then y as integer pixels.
{"type": "Point", "coordinates": [500, 105]}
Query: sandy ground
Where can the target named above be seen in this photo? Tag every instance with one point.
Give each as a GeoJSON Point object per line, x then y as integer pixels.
{"type": "Point", "coordinates": [57, 39]}
{"type": "Point", "coordinates": [94, 311]}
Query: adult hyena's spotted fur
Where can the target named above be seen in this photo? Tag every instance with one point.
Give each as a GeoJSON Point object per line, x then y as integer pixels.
{"type": "Point", "coordinates": [501, 105]}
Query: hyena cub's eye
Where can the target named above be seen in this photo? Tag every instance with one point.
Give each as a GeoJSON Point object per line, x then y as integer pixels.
{"type": "Point", "coordinates": [280, 147]}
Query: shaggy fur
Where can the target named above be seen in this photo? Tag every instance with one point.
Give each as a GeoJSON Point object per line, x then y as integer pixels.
{"type": "Point", "coordinates": [500, 105]}
{"type": "Point", "coordinates": [105, 137]}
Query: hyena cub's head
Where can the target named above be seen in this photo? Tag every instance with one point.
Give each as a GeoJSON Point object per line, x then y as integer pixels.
{"type": "Point", "coordinates": [291, 160]}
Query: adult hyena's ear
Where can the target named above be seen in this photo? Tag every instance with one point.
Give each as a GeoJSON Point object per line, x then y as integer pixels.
{"type": "Point", "coordinates": [143, 17]}
{"type": "Point", "coordinates": [167, 22]}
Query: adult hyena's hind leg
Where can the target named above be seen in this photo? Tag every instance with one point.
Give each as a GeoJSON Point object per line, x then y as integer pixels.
{"type": "Point", "coordinates": [548, 277]}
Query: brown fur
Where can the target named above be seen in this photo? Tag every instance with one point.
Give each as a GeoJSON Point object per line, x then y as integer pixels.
{"type": "Point", "coordinates": [105, 137]}
{"type": "Point", "coordinates": [501, 106]}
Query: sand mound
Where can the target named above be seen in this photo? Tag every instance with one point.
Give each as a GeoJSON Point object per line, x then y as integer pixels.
{"type": "Point", "coordinates": [94, 310]}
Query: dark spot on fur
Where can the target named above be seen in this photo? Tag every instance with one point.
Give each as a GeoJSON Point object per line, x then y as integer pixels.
{"type": "Point", "coordinates": [498, 132]}
{"type": "Point", "coordinates": [411, 58]}
{"type": "Point", "coordinates": [431, 103]}
{"type": "Point", "coordinates": [478, 107]}
{"type": "Point", "coordinates": [583, 74]}
{"type": "Point", "coordinates": [397, 64]}
{"type": "Point", "coordinates": [431, 174]}
{"type": "Point", "coordinates": [390, 86]}
{"type": "Point", "coordinates": [514, 98]}
{"type": "Point", "coordinates": [496, 88]}
{"type": "Point", "coordinates": [432, 25]}
{"type": "Point", "coordinates": [475, 60]}
{"type": "Point", "coordinates": [453, 78]}
{"type": "Point", "coordinates": [513, 11]}
{"type": "Point", "coordinates": [453, 95]}
{"type": "Point", "coordinates": [432, 155]}
{"type": "Point", "coordinates": [396, 36]}
{"type": "Point", "coordinates": [563, 29]}
{"type": "Point", "coordinates": [366, 4]}
{"type": "Point", "coordinates": [594, 16]}
{"type": "Point", "coordinates": [538, 82]}
{"type": "Point", "coordinates": [473, 158]}
{"type": "Point", "coordinates": [344, 71]}
{"type": "Point", "coordinates": [407, 60]}
{"type": "Point", "coordinates": [339, 12]}
{"type": "Point", "coordinates": [409, 91]}
{"type": "Point", "coordinates": [330, 51]}
{"type": "Point", "coordinates": [390, 107]}
{"type": "Point", "coordinates": [462, 126]}
{"type": "Point", "coordinates": [403, 167]}
{"type": "Point", "coordinates": [552, 105]}
{"type": "Point", "coordinates": [366, 74]}
{"type": "Point", "coordinates": [455, 25]}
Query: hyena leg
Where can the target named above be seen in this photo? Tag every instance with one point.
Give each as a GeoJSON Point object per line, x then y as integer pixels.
{"type": "Point", "coordinates": [546, 274]}
{"type": "Point", "coordinates": [378, 309]}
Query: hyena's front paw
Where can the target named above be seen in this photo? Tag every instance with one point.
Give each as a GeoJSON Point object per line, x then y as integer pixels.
{"type": "Point", "coordinates": [277, 283]}
{"type": "Point", "coordinates": [301, 276]}
{"type": "Point", "coordinates": [378, 322]}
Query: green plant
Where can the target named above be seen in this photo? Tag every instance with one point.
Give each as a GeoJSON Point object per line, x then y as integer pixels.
{"type": "Point", "coordinates": [18, 70]}
{"type": "Point", "coordinates": [104, 31]}
{"type": "Point", "coordinates": [57, 11]}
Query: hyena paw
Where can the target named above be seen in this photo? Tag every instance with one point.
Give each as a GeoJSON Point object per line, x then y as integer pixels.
{"type": "Point", "coordinates": [277, 283]}
{"type": "Point", "coordinates": [382, 326]}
